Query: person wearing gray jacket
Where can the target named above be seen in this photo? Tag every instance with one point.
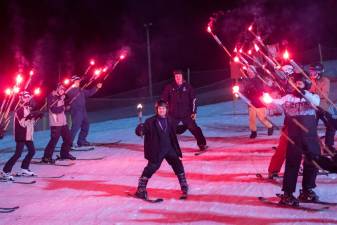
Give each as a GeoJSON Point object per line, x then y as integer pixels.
{"type": "Point", "coordinates": [58, 126]}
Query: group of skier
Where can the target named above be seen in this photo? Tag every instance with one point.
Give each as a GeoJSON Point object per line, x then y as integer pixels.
{"type": "Point", "coordinates": [57, 102]}
{"type": "Point", "coordinates": [303, 103]}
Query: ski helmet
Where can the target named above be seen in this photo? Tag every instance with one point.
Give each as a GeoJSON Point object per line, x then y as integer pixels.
{"type": "Point", "coordinates": [288, 69]}
{"type": "Point", "coordinates": [318, 67]}
{"type": "Point", "coordinates": [25, 94]}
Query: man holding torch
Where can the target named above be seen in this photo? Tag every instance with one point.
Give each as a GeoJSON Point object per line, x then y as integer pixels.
{"type": "Point", "coordinates": [301, 126]}
{"type": "Point", "coordinates": [79, 117]}
{"type": "Point", "coordinates": [58, 126]}
{"type": "Point", "coordinates": [24, 122]}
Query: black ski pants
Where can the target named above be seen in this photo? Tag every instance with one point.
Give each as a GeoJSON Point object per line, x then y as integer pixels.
{"type": "Point", "coordinates": [18, 151]}
{"type": "Point", "coordinates": [55, 133]}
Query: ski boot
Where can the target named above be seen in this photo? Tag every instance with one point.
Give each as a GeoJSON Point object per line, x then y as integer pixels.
{"type": "Point", "coordinates": [270, 131]}
{"type": "Point", "coordinates": [141, 190]}
{"type": "Point", "coordinates": [67, 156]}
{"type": "Point", "coordinates": [203, 147]}
{"type": "Point", "coordinates": [273, 175]}
{"type": "Point", "coordinates": [289, 199]}
{"type": "Point", "coordinates": [84, 144]}
{"type": "Point", "coordinates": [183, 185]}
{"type": "Point", "coordinates": [308, 195]}
{"type": "Point", "coordinates": [7, 176]}
{"type": "Point", "coordinates": [26, 172]}
{"type": "Point", "coordinates": [48, 160]}
{"type": "Point", "coordinates": [253, 134]}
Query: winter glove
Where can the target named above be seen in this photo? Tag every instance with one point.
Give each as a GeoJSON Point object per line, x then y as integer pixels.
{"type": "Point", "coordinates": [140, 129]}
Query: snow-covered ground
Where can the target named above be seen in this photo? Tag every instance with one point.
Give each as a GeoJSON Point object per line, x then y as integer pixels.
{"type": "Point", "coordinates": [223, 185]}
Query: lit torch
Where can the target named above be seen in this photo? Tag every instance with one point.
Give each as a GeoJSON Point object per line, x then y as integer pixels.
{"type": "Point", "coordinates": [236, 90]}
{"type": "Point", "coordinates": [267, 98]}
{"type": "Point", "coordinates": [140, 112]}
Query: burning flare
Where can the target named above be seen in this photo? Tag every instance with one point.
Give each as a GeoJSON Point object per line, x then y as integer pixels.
{"type": "Point", "coordinates": [139, 106]}
{"type": "Point", "coordinates": [286, 55]}
{"type": "Point", "coordinates": [267, 98]}
{"type": "Point", "coordinates": [37, 91]}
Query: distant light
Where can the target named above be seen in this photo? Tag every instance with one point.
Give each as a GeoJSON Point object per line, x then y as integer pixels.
{"type": "Point", "coordinates": [92, 62]}
{"type": "Point", "coordinates": [236, 59]}
{"type": "Point", "coordinates": [122, 56]}
{"type": "Point", "coordinates": [98, 72]}
{"type": "Point", "coordinates": [31, 73]}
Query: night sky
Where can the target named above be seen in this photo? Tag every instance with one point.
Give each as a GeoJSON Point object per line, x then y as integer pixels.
{"type": "Point", "coordinates": [60, 37]}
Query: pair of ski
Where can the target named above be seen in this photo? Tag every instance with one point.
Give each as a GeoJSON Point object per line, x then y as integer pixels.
{"type": "Point", "coordinates": [157, 200]}
{"type": "Point", "coordinates": [8, 209]}
{"type": "Point", "coordinates": [17, 182]}
{"type": "Point", "coordinates": [326, 205]}
{"type": "Point", "coordinates": [98, 144]}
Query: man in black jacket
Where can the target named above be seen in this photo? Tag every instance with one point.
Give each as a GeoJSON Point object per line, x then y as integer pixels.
{"type": "Point", "coordinates": [182, 106]}
{"type": "Point", "coordinates": [160, 142]}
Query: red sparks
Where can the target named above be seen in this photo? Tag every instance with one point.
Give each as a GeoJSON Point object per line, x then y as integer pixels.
{"type": "Point", "coordinates": [92, 62]}
{"type": "Point", "coordinates": [209, 29]}
{"type": "Point", "coordinates": [66, 81]}
{"type": "Point", "coordinates": [16, 89]}
{"type": "Point", "coordinates": [267, 98]}
{"type": "Point", "coordinates": [286, 55]}
{"type": "Point", "coordinates": [19, 79]}
{"type": "Point", "coordinates": [8, 91]}
{"type": "Point", "coordinates": [236, 59]}
{"type": "Point", "coordinates": [256, 47]}
{"type": "Point", "coordinates": [37, 91]}
{"type": "Point", "coordinates": [235, 89]}
{"type": "Point", "coordinates": [98, 72]}
{"type": "Point", "coordinates": [122, 56]}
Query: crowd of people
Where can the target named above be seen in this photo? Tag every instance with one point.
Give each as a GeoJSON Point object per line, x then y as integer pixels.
{"type": "Point", "coordinates": [303, 101]}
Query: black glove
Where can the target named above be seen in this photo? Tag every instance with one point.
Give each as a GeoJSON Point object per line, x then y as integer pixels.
{"type": "Point", "coordinates": [139, 129]}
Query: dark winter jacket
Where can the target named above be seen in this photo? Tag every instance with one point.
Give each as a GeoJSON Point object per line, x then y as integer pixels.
{"type": "Point", "coordinates": [150, 129]}
{"type": "Point", "coordinates": [181, 100]}
{"type": "Point", "coordinates": [253, 90]}
{"type": "Point", "coordinates": [23, 127]}
{"type": "Point", "coordinates": [77, 98]}
{"type": "Point", "coordinates": [56, 108]}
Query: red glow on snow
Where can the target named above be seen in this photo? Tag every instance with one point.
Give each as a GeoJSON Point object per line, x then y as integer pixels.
{"type": "Point", "coordinates": [286, 55]}
{"type": "Point", "coordinates": [267, 98]}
